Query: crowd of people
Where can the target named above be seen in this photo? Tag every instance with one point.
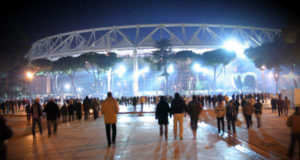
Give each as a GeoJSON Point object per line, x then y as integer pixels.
{"type": "Point", "coordinates": [225, 108]}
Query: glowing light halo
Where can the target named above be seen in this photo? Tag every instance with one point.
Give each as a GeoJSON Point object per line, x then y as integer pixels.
{"type": "Point", "coordinates": [170, 69]}
{"type": "Point", "coordinates": [121, 70]}
{"type": "Point", "coordinates": [67, 86]}
{"type": "Point", "coordinates": [29, 75]}
{"type": "Point", "coordinates": [236, 46]}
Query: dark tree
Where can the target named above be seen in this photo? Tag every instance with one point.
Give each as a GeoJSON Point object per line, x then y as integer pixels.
{"type": "Point", "coordinates": [160, 58]}
{"type": "Point", "coordinates": [218, 58]}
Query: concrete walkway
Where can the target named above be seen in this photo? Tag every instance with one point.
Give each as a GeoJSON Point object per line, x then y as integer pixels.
{"type": "Point", "coordinates": [138, 138]}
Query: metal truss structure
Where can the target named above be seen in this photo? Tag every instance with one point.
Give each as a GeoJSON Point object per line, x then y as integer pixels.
{"type": "Point", "coordinates": [132, 39]}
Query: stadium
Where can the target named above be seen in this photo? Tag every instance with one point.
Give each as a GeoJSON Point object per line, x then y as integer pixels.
{"type": "Point", "coordinates": [133, 42]}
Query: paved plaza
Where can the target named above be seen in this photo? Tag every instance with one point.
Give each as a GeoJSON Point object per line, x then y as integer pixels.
{"type": "Point", "coordinates": [138, 138]}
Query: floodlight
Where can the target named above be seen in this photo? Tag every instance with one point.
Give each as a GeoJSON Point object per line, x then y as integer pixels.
{"type": "Point", "coordinates": [121, 70]}
{"type": "Point", "coordinates": [29, 75]}
{"type": "Point", "coordinates": [67, 86]}
{"type": "Point", "coordinates": [170, 69]}
{"type": "Point", "coordinates": [237, 47]}
{"type": "Point", "coordinates": [144, 70]}
{"type": "Point", "coordinates": [197, 67]}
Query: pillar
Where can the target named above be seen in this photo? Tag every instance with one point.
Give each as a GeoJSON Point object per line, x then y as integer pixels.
{"type": "Point", "coordinates": [135, 73]}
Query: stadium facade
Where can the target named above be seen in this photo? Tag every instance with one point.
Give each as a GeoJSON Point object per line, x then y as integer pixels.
{"type": "Point", "coordinates": [137, 40]}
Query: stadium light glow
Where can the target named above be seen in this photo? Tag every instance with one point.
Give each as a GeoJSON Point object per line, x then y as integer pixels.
{"type": "Point", "coordinates": [144, 70]}
{"type": "Point", "coordinates": [120, 71]}
{"type": "Point", "coordinates": [197, 67]}
{"type": "Point", "coordinates": [170, 69]}
{"type": "Point", "coordinates": [234, 45]}
{"type": "Point", "coordinates": [29, 75]}
{"type": "Point", "coordinates": [67, 86]}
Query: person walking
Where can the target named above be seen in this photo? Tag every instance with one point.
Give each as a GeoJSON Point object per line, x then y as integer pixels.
{"type": "Point", "coordinates": [273, 104]}
{"type": "Point", "coordinates": [52, 112]}
{"type": "Point", "coordinates": [95, 105]}
{"type": "Point", "coordinates": [248, 111]}
{"type": "Point", "coordinates": [293, 122]}
{"type": "Point", "coordinates": [110, 109]}
{"type": "Point", "coordinates": [161, 113]}
{"type": "Point", "coordinates": [178, 108]}
{"type": "Point", "coordinates": [78, 107]}
{"type": "Point", "coordinates": [194, 110]}
{"type": "Point", "coordinates": [286, 106]}
{"type": "Point", "coordinates": [36, 113]}
{"type": "Point", "coordinates": [231, 115]}
{"type": "Point", "coordinates": [64, 113]}
{"type": "Point", "coordinates": [220, 112]}
{"type": "Point", "coordinates": [86, 107]}
{"type": "Point", "coordinates": [71, 109]}
{"type": "Point", "coordinates": [27, 110]}
{"type": "Point", "coordinates": [142, 101]}
{"type": "Point", "coordinates": [280, 106]}
{"type": "Point", "coordinates": [258, 112]}
{"type": "Point", "coordinates": [134, 103]}
{"type": "Point", "coordinates": [5, 133]}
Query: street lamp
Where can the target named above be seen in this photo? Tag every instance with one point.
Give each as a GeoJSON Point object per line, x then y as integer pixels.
{"type": "Point", "coordinates": [263, 67]}
{"type": "Point", "coordinates": [29, 75]}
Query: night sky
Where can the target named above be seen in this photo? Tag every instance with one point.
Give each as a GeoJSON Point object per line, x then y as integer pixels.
{"type": "Point", "coordinates": [39, 19]}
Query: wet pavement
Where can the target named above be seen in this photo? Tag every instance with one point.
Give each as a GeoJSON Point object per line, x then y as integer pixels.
{"type": "Point", "coordinates": [138, 138]}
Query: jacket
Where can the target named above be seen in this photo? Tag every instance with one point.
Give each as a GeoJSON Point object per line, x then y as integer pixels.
{"type": "Point", "coordinates": [162, 112]}
{"type": "Point", "coordinates": [248, 109]}
{"type": "Point", "coordinates": [220, 111]}
{"type": "Point", "coordinates": [194, 109]}
{"type": "Point", "coordinates": [52, 111]}
{"type": "Point", "coordinates": [109, 109]}
{"type": "Point", "coordinates": [231, 112]}
{"type": "Point", "coordinates": [258, 108]}
{"type": "Point", "coordinates": [36, 108]}
{"type": "Point", "coordinates": [178, 106]}
{"type": "Point", "coordinates": [293, 122]}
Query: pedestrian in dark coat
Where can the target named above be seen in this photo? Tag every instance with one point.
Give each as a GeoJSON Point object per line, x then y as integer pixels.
{"type": "Point", "coordinates": [36, 113]}
{"type": "Point", "coordinates": [5, 133]}
{"type": "Point", "coordinates": [258, 112]}
{"type": "Point", "coordinates": [231, 115]}
{"type": "Point", "coordinates": [78, 109]}
{"type": "Point", "coordinates": [86, 107]}
{"type": "Point", "coordinates": [293, 122]}
{"type": "Point", "coordinates": [53, 114]}
{"type": "Point", "coordinates": [64, 112]}
{"type": "Point", "coordinates": [273, 104]}
{"type": "Point", "coordinates": [71, 109]}
{"type": "Point", "coordinates": [194, 109]}
{"type": "Point", "coordinates": [161, 113]}
{"type": "Point", "coordinates": [134, 103]}
{"type": "Point", "coordinates": [280, 106]}
{"type": "Point", "coordinates": [178, 109]}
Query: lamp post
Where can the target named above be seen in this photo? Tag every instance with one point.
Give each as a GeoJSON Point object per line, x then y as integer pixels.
{"type": "Point", "coordinates": [263, 76]}
{"type": "Point", "coordinates": [276, 76]}
{"type": "Point", "coordinates": [29, 76]}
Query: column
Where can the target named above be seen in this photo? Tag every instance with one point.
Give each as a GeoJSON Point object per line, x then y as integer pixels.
{"type": "Point", "coordinates": [48, 84]}
{"type": "Point", "coordinates": [135, 73]}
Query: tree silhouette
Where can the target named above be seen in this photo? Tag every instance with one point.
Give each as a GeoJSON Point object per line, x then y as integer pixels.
{"type": "Point", "coordinates": [217, 59]}
{"type": "Point", "coordinates": [160, 58]}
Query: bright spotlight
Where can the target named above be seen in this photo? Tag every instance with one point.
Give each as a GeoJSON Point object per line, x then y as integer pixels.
{"type": "Point", "coordinates": [29, 75]}
{"type": "Point", "coordinates": [170, 69]}
{"type": "Point", "coordinates": [79, 89]}
{"type": "Point", "coordinates": [234, 45]}
{"type": "Point", "coordinates": [67, 86]}
{"type": "Point", "coordinates": [145, 70]}
{"type": "Point", "coordinates": [121, 70]}
{"type": "Point", "coordinates": [197, 67]}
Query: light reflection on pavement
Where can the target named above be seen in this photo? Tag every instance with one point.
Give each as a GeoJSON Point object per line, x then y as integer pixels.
{"type": "Point", "coordinates": [138, 138]}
